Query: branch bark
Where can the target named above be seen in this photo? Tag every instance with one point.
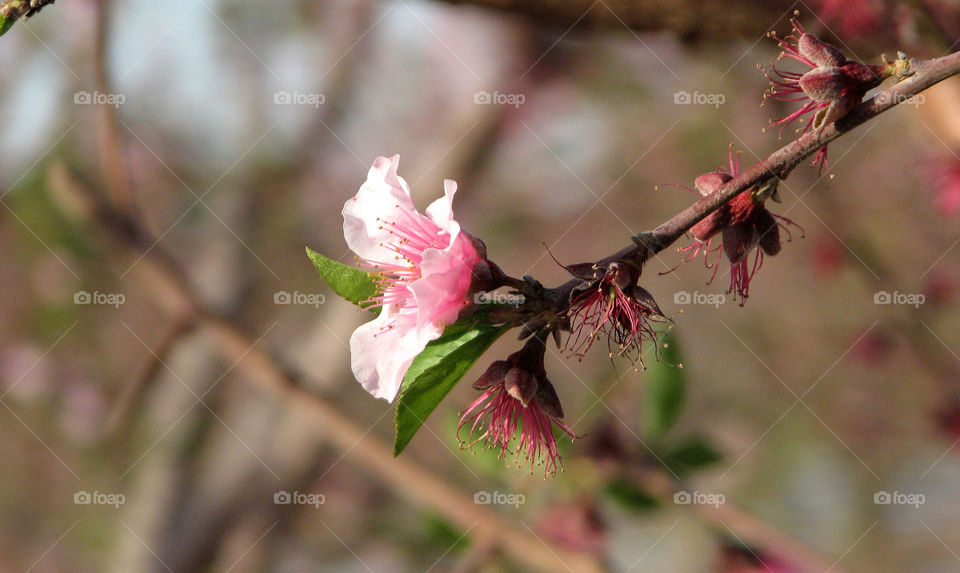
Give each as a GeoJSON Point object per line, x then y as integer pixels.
{"type": "Point", "coordinates": [13, 10]}
{"type": "Point", "coordinates": [781, 162]}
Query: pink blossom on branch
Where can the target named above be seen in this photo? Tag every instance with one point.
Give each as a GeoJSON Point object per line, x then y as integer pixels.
{"type": "Point", "coordinates": [743, 224]}
{"type": "Point", "coordinates": [518, 409]}
{"type": "Point", "coordinates": [828, 89]}
{"type": "Point", "coordinates": [611, 304]}
{"type": "Point", "coordinates": [427, 268]}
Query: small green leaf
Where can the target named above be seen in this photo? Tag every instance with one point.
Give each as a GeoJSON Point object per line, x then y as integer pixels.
{"type": "Point", "coordinates": [630, 496]}
{"type": "Point", "coordinates": [433, 374]}
{"type": "Point", "coordinates": [349, 282]}
{"type": "Point", "coordinates": [664, 390]}
{"type": "Point", "coordinates": [689, 454]}
{"type": "Point", "coordinates": [5, 23]}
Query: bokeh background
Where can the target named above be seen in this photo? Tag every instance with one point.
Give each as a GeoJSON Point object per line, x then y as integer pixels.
{"type": "Point", "coordinates": [164, 164]}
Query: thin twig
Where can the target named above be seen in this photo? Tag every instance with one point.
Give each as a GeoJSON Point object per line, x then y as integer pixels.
{"type": "Point", "coordinates": [781, 162]}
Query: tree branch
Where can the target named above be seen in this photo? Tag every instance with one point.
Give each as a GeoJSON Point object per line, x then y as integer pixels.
{"type": "Point", "coordinates": [13, 10]}
{"type": "Point", "coordinates": [781, 162]}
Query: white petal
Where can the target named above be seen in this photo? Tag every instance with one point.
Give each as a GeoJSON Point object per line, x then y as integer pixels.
{"type": "Point", "coordinates": [384, 196]}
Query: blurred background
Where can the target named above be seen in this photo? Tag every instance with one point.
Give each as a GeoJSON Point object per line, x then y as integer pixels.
{"type": "Point", "coordinates": [174, 377]}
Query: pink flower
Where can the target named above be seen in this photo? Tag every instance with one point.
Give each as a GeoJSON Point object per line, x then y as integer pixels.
{"type": "Point", "coordinates": [828, 90]}
{"type": "Point", "coordinates": [518, 399]}
{"type": "Point", "coordinates": [426, 266]}
{"type": "Point", "coordinates": [614, 305]}
{"type": "Point", "coordinates": [743, 223]}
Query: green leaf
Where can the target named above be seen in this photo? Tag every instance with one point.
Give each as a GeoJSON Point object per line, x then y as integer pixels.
{"type": "Point", "coordinates": [5, 23]}
{"type": "Point", "coordinates": [664, 390]}
{"type": "Point", "coordinates": [692, 453]}
{"type": "Point", "coordinates": [433, 374]}
{"type": "Point", "coordinates": [349, 282]}
{"type": "Point", "coordinates": [630, 496]}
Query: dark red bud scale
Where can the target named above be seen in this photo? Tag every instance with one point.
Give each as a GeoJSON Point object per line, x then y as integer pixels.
{"type": "Point", "coordinates": [520, 384]}
{"type": "Point", "coordinates": [819, 52]}
{"type": "Point", "coordinates": [823, 84]}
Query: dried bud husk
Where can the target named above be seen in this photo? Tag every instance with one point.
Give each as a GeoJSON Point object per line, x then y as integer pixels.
{"type": "Point", "coordinates": [769, 231]}
{"type": "Point", "coordinates": [548, 399]}
{"type": "Point", "coordinates": [710, 182]}
{"type": "Point", "coordinates": [823, 84]}
{"type": "Point", "coordinates": [820, 52]}
{"type": "Point", "coordinates": [494, 374]}
{"type": "Point", "coordinates": [521, 384]}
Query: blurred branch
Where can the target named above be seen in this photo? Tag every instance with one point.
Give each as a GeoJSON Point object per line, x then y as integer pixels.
{"type": "Point", "coordinates": [13, 10]}
{"type": "Point", "coordinates": [728, 518]}
{"type": "Point", "coordinates": [128, 404]}
{"type": "Point", "coordinates": [116, 175]}
{"type": "Point", "coordinates": [171, 288]}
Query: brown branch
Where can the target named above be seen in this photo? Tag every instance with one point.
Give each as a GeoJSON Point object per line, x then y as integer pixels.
{"type": "Point", "coordinates": [13, 10]}
{"type": "Point", "coordinates": [116, 174]}
{"type": "Point", "coordinates": [779, 164]}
